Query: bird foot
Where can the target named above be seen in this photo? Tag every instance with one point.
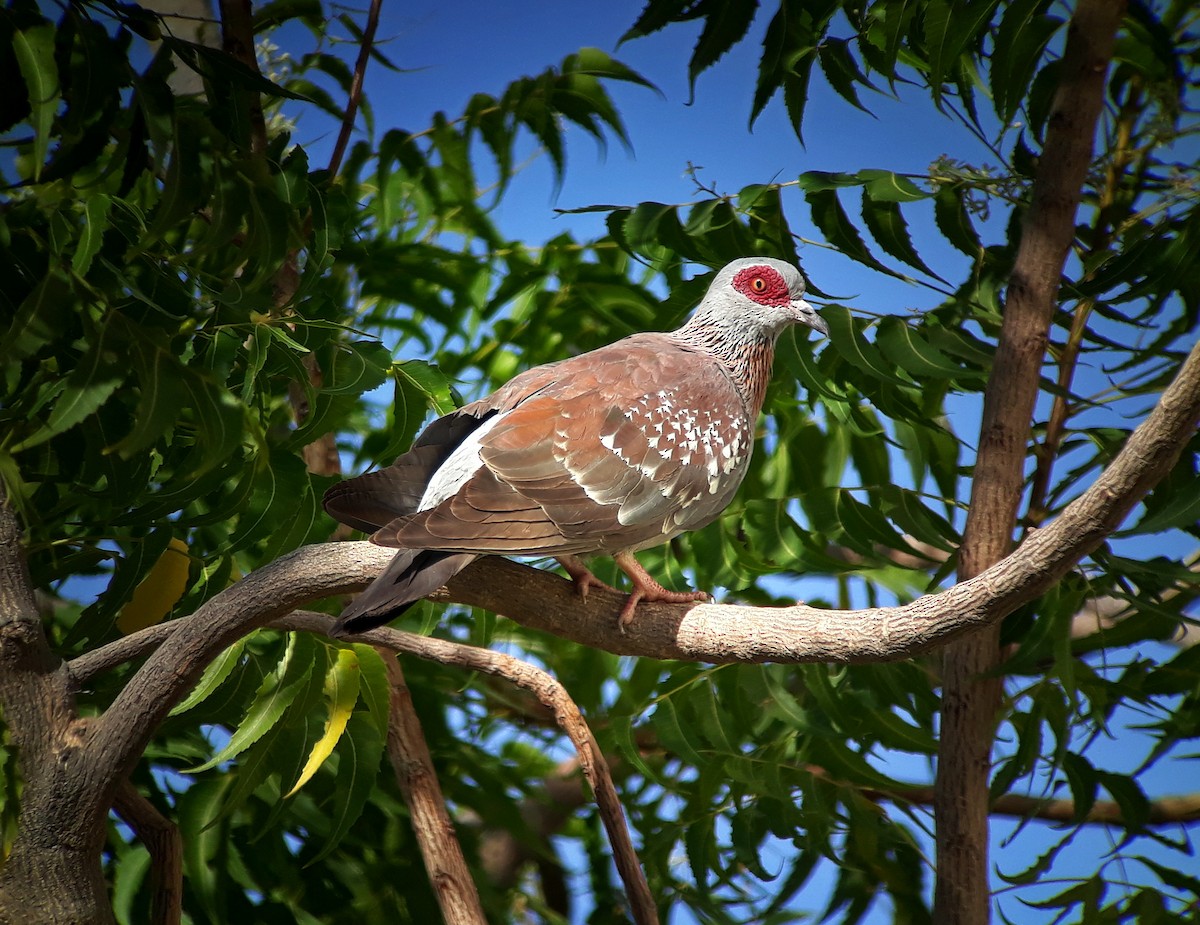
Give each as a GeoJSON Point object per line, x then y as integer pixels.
{"type": "Point", "coordinates": [582, 577]}
{"type": "Point", "coordinates": [660, 595]}
{"type": "Point", "coordinates": [645, 588]}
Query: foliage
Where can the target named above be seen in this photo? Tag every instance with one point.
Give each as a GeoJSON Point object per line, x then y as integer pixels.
{"type": "Point", "coordinates": [184, 312]}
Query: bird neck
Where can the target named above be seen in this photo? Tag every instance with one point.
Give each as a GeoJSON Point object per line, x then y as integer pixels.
{"type": "Point", "coordinates": [746, 351]}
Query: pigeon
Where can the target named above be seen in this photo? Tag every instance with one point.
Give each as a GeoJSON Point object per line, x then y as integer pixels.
{"type": "Point", "coordinates": [605, 453]}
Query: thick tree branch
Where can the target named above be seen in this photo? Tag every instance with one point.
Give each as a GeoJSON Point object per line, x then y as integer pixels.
{"type": "Point", "coordinates": [713, 633]}
{"type": "Point", "coordinates": [971, 688]}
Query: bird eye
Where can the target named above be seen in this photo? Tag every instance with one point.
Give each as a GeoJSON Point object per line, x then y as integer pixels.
{"type": "Point", "coordinates": [758, 284]}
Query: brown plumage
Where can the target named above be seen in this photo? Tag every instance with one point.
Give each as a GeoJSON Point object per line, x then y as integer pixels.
{"type": "Point", "coordinates": [608, 452]}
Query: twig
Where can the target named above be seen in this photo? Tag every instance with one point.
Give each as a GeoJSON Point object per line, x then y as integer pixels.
{"type": "Point", "coordinates": [356, 86]}
{"type": "Point", "coordinates": [162, 839]}
{"type": "Point", "coordinates": [440, 849]}
{"type": "Point", "coordinates": [1176, 810]}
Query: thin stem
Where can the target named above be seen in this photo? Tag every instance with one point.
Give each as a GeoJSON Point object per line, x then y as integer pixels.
{"type": "Point", "coordinates": [356, 87]}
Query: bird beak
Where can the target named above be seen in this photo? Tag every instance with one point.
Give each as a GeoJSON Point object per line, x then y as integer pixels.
{"type": "Point", "coordinates": [806, 314]}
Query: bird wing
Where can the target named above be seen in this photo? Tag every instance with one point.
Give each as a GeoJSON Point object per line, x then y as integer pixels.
{"type": "Point", "coordinates": [621, 448]}
{"type": "Point", "coordinates": [368, 502]}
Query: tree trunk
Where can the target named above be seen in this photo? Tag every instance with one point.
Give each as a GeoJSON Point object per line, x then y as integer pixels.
{"type": "Point", "coordinates": [971, 691]}
{"type": "Point", "coordinates": [53, 874]}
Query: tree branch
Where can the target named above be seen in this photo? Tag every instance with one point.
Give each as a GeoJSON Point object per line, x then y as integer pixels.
{"type": "Point", "coordinates": [162, 839]}
{"type": "Point", "coordinates": [444, 862]}
{"type": "Point", "coordinates": [356, 86]}
{"type": "Point", "coordinates": [971, 687]}
{"type": "Point", "coordinates": [237, 39]}
{"type": "Point", "coordinates": [53, 872]}
{"type": "Point", "coordinates": [714, 633]}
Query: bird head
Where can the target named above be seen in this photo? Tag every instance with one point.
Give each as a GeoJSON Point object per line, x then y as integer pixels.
{"type": "Point", "coordinates": [760, 293]}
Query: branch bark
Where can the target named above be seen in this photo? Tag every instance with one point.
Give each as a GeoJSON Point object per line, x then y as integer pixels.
{"type": "Point", "coordinates": [972, 689]}
{"type": "Point", "coordinates": [714, 633]}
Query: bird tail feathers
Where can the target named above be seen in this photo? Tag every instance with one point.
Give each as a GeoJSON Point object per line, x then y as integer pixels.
{"type": "Point", "coordinates": [410, 576]}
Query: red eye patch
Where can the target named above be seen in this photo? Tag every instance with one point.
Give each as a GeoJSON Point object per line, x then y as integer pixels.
{"type": "Point", "coordinates": [762, 284]}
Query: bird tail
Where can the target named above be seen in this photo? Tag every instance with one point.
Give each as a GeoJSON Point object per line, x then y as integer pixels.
{"type": "Point", "coordinates": [410, 576]}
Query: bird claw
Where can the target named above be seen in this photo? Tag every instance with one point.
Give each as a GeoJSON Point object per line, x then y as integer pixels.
{"type": "Point", "coordinates": [659, 595]}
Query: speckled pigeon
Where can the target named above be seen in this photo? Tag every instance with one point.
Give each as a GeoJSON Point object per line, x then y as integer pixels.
{"type": "Point", "coordinates": [607, 453]}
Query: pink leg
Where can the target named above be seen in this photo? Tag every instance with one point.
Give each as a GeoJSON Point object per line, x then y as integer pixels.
{"type": "Point", "coordinates": [582, 576]}
{"type": "Point", "coordinates": [646, 588]}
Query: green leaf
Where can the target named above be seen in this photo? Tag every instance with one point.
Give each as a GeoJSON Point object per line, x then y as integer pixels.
{"type": "Point", "coordinates": [886, 224]}
{"type": "Point", "coordinates": [1083, 781]}
{"type": "Point", "coordinates": [856, 349]}
{"type": "Point", "coordinates": [183, 187]}
{"type": "Point", "coordinates": [903, 344]}
{"type": "Point", "coordinates": [1022, 36]}
{"type": "Point", "coordinates": [829, 216]}
{"type": "Point", "coordinates": [1176, 879]}
{"type": "Point", "coordinates": [176, 397]}
{"type": "Point", "coordinates": [599, 63]}
{"type": "Point", "coordinates": [865, 526]}
{"type": "Point", "coordinates": [38, 317]}
{"type": "Point", "coordinates": [34, 51]}
{"type": "Point", "coordinates": [95, 221]}
{"type": "Point", "coordinates": [888, 186]}
{"type": "Point", "coordinates": [904, 507]}
{"type": "Point", "coordinates": [198, 807]}
{"type": "Point", "coordinates": [954, 222]}
{"type": "Point", "coordinates": [215, 63]}
{"type": "Point", "coordinates": [842, 71]}
{"type": "Point", "coordinates": [1128, 794]}
{"type": "Point", "coordinates": [140, 555]}
{"type": "Point", "coordinates": [273, 697]}
{"type": "Point", "coordinates": [218, 670]}
{"type": "Point", "coordinates": [128, 876]}
{"type": "Point", "coordinates": [280, 481]}
{"type": "Point", "coordinates": [88, 386]}
{"type": "Point", "coordinates": [375, 688]}
{"type": "Point", "coordinates": [725, 24]}
{"type": "Point", "coordinates": [787, 57]}
{"type": "Point", "coordinates": [846, 765]}
{"type": "Point", "coordinates": [950, 26]}
{"type": "Point", "coordinates": [666, 723]}
{"type": "Point", "coordinates": [1183, 511]}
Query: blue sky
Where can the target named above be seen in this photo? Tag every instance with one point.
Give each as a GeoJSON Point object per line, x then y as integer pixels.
{"type": "Point", "coordinates": [458, 48]}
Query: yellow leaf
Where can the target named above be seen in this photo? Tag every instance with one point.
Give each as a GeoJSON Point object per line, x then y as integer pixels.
{"type": "Point", "coordinates": [159, 591]}
{"type": "Point", "coordinates": [341, 693]}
